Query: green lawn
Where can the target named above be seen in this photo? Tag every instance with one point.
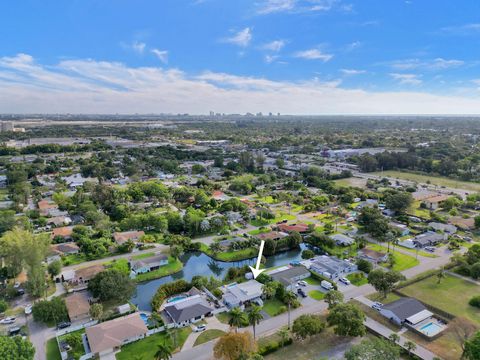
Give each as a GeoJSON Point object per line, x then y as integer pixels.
{"type": "Point", "coordinates": [243, 254]}
{"type": "Point", "coordinates": [357, 279]}
{"type": "Point", "coordinates": [273, 307]}
{"type": "Point", "coordinates": [434, 180]}
{"type": "Point", "coordinates": [173, 266]}
{"type": "Point", "coordinates": [312, 281]}
{"type": "Point", "coordinates": [316, 294]}
{"type": "Point", "coordinates": [147, 347]}
{"type": "Point", "coordinates": [120, 265]}
{"type": "Point", "coordinates": [420, 252]}
{"type": "Point", "coordinates": [451, 295]}
{"type": "Point", "coordinates": [208, 335]}
{"type": "Point", "coordinates": [391, 297]}
{"type": "Point", "coordinates": [143, 256]}
{"type": "Point", "coordinates": [259, 231]}
{"type": "Point", "coordinates": [352, 181]}
{"type": "Point", "coordinates": [73, 259]}
{"type": "Point", "coordinates": [224, 318]}
{"type": "Point", "coordinates": [77, 351]}
{"type": "Point", "coordinates": [53, 353]}
{"type": "Point", "coordinates": [402, 261]}
{"type": "Point", "coordinates": [278, 217]}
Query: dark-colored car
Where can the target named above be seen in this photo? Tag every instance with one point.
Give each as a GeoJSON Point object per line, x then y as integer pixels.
{"type": "Point", "coordinates": [301, 293]}
{"type": "Point", "coordinates": [63, 325]}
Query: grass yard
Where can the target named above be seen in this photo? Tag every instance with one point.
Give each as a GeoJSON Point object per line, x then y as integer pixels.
{"type": "Point", "coordinates": [352, 181]}
{"type": "Point", "coordinates": [402, 261]}
{"type": "Point", "coordinates": [417, 211]}
{"type": "Point", "coordinates": [312, 281]}
{"type": "Point", "coordinates": [420, 252]}
{"type": "Point", "coordinates": [278, 217]}
{"type": "Point", "coordinates": [147, 347]}
{"type": "Point", "coordinates": [208, 335]}
{"type": "Point", "coordinates": [243, 254]}
{"type": "Point", "coordinates": [143, 256]}
{"type": "Point", "coordinates": [322, 346]}
{"type": "Point", "coordinates": [391, 297]}
{"type": "Point", "coordinates": [451, 295]}
{"type": "Point", "coordinates": [274, 307]}
{"type": "Point", "coordinates": [357, 279]}
{"type": "Point", "coordinates": [316, 294]}
{"type": "Point", "coordinates": [446, 345]}
{"type": "Point", "coordinates": [259, 231]}
{"type": "Point", "coordinates": [173, 266]}
{"type": "Point", "coordinates": [53, 353]}
{"type": "Point", "coordinates": [224, 318]}
{"type": "Point", "coordinates": [77, 351]}
{"type": "Point", "coordinates": [434, 180]}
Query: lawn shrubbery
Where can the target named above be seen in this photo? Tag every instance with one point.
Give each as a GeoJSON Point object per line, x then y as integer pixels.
{"type": "Point", "coordinates": [475, 301]}
{"type": "Point", "coordinates": [169, 289]}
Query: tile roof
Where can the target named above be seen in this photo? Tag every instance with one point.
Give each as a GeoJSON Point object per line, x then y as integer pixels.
{"type": "Point", "coordinates": [187, 309]}
{"type": "Point", "coordinates": [77, 305]}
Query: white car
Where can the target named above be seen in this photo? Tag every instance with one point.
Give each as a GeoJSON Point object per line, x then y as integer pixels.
{"type": "Point", "coordinates": [200, 328]}
{"type": "Point", "coordinates": [377, 306]}
{"type": "Point", "coordinates": [302, 283]}
{"type": "Point", "coordinates": [16, 285]}
{"type": "Point", "coordinates": [344, 281]}
{"type": "Point", "coordinates": [8, 320]}
{"type": "Point", "coordinates": [28, 309]}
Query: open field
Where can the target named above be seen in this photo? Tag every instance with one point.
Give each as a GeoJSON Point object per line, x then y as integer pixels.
{"type": "Point", "coordinates": [451, 295]}
{"type": "Point", "coordinates": [147, 347]}
{"type": "Point", "coordinates": [434, 180]}
{"type": "Point", "coordinates": [352, 181]}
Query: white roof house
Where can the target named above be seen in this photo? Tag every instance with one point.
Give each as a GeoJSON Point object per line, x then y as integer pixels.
{"type": "Point", "coordinates": [235, 295]}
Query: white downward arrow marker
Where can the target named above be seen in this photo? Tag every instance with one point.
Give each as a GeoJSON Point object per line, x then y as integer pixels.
{"type": "Point", "coordinates": [257, 271]}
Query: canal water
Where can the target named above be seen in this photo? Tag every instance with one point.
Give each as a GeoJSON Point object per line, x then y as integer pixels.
{"type": "Point", "coordinates": [197, 263]}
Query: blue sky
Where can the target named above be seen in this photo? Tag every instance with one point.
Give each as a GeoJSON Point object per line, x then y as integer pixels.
{"type": "Point", "coordinates": [292, 56]}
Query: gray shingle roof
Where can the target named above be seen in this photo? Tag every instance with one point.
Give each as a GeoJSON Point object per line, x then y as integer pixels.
{"type": "Point", "coordinates": [405, 307]}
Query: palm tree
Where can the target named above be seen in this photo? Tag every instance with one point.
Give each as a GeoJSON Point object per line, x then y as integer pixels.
{"type": "Point", "coordinates": [284, 335]}
{"type": "Point", "coordinates": [389, 237]}
{"type": "Point", "coordinates": [289, 297]}
{"type": "Point", "coordinates": [164, 352]}
{"type": "Point", "coordinates": [236, 318]}
{"type": "Point", "coordinates": [410, 346]}
{"type": "Point", "coordinates": [254, 316]}
{"type": "Point", "coordinates": [269, 290]}
{"type": "Point", "coordinates": [440, 275]}
{"type": "Point", "coordinates": [394, 337]}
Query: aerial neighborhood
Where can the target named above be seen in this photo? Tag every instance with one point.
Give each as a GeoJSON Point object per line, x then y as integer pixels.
{"type": "Point", "coordinates": [111, 251]}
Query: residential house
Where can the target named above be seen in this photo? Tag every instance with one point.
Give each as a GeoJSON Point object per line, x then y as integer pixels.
{"type": "Point", "coordinates": [109, 336]}
{"type": "Point", "coordinates": [288, 228]}
{"type": "Point", "coordinates": [289, 275]}
{"type": "Point", "coordinates": [64, 232]}
{"type": "Point", "coordinates": [148, 264]}
{"type": "Point", "coordinates": [373, 256]}
{"type": "Point", "coordinates": [59, 220]}
{"type": "Point", "coordinates": [447, 228]}
{"type": "Point", "coordinates": [46, 206]}
{"type": "Point", "coordinates": [62, 249]}
{"type": "Point", "coordinates": [399, 228]}
{"type": "Point", "coordinates": [82, 276]}
{"type": "Point", "coordinates": [220, 195]}
{"type": "Point", "coordinates": [76, 180]}
{"type": "Point", "coordinates": [225, 244]}
{"type": "Point", "coordinates": [429, 238]}
{"type": "Point", "coordinates": [405, 310]}
{"type": "Point", "coordinates": [343, 240]}
{"type": "Point", "coordinates": [331, 267]}
{"type": "Point", "coordinates": [434, 202]}
{"type": "Point", "coordinates": [236, 295]}
{"type": "Point", "coordinates": [188, 310]}
{"type": "Point", "coordinates": [78, 306]}
{"type": "Point", "coordinates": [122, 237]}
{"type": "Point", "coordinates": [272, 235]}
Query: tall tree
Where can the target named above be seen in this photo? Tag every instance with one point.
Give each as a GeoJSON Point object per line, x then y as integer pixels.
{"type": "Point", "coordinates": [233, 346]}
{"type": "Point", "coordinates": [254, 316]}
{"type": "Point", "coordinates": [348, 320]}
{"type": "Point", "coordinates": [373, 349]}
{"type": "Point", "coordinates": [384, 281]}
{"type": "Point", "coordinates": [16, 348]}
{"type": "Point", "coordinates": [333, 297]}
{"type": "Point", "coordinates": [164, 352]}
{"type": "Point", "coordinates": [289, 297]}
{"type": "Point", "coordinates": [237, 318]}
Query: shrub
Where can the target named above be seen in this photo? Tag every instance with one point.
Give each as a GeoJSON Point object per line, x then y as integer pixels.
{"type": "Point", "coordinates": [169, 289]}
{"type": "Point", "coordinates": [475, 301]}
{"type": "Point", "coordinates": [307, 254]}
{"type": "Point", "coordinates": [364, 265]}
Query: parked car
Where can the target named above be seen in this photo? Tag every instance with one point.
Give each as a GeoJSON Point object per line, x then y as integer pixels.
{"type": "Point", "coordinates": [301, 293]}
{"type": "Point", "coordinates": [14, 330]}
{"type": "Point", "coordinates": [302, 283]}
{"type": "Point", "coordinates": [344, 281]}
{"type": "Point", "coordinates": [327, 285]}
{"type": "Point", "coordinates": [200, 328]}
{"type": "Point", "coordinates": [8, 320]}
{"type": "Point", "coordinates": [429, 248]}
{"type": "Point", "coordinates": [16, 285]}
{"type": "Point", "coordinates": [28, 309]}
{"type": "Point", "coordinates": [377, 306]}
{"type": "Point", "coordinates": [20, 292]}
{"type": "Point", "coordinates": [63, 325]}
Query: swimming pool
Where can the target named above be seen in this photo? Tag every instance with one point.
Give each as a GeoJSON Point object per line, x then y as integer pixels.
{"type": "Point", "coordinates": [431, 329]}
{"type": "Point", "coordinates": [144, 318]}
{"type": "Point", "coordinates": [176, 298]}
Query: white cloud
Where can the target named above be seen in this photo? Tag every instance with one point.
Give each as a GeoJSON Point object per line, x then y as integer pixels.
{"type": "Point", "coordinates": [429, 65]}
{"type": "Point", "coordinates": [465, 29]}
{"type": "Point", "coordinates": [138, 47]}
{"type": "Point", "coordinates": [272, 6]}
{"type": "Point", "coordinates": [241, 38]}
{"type": "Point", "coordinates": [352, 71]}
{"type": "Point", "coordinates": [270, 58]}
{"type": "Point", "coordinates": [353, 45]}
{"type": "Point", "coordinates": [298, 6]}
{"type": "Point", "coordinates": [275, 45]}
{"type": "Point", "coordinates": [313, 54]}
{"type": "Point", "coordinates": [89, 86]}
{"type": "Point", "coordinates": [162, 55]}
{"type": "Point", "coordinates": [407, 79]}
